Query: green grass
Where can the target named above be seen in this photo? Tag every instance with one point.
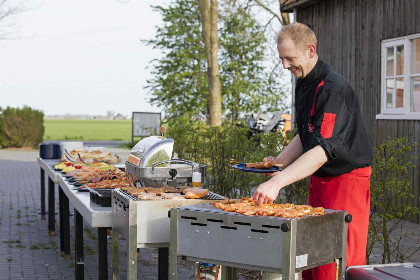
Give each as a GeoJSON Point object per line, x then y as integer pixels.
{"type": "Point", "coordinates": [104, 130]}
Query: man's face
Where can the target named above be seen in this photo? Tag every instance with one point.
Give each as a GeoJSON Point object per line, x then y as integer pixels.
{"type": "Point", "coordinates": [296, 60]}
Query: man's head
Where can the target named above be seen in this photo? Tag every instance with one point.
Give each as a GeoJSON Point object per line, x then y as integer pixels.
{"type": "Point", "coordinates": [297, 45]}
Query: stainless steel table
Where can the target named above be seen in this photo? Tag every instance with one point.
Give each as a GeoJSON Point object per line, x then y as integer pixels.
{"type": "Point", "coordinates": [95, 215]}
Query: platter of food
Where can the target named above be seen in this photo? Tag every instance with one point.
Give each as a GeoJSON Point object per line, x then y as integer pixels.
{"type": "Point", "coordinates": [258, 167]}
{"type": "Point", "coordinates": [247, 206]}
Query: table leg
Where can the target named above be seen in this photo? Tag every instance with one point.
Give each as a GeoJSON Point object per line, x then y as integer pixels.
{"type": "Point", "coordinates": [42, 194]}
{"type": "Point", "coordinates": [66, 226]}
{"type": "Point", "coordinates": [102, 253]}
{"type": "Point", "coordinates": [79, 256]}
{"type": "Point", "coordinates": [60, 210]}
{"type": "Point", "coordinates": [163, 263]}
{"type": "Point", "coordinates": [51, 207]}
{"type": "Point", "coordinates": [115, 254]}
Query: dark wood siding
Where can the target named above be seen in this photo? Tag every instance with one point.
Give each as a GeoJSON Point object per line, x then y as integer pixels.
{"type": "Point", "coordinates": [349, 34]}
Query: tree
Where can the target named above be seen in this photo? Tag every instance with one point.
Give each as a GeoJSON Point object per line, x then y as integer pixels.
{"type": "Point", "coordinates": [247, 85]}
{"type": "Point", "coordinates": [283, 18]}
{"type": "Point", "coordinates": [180, 82]}
{"type": "Point", "coordinates": [208, 18]}
{"type": "Point", "coordinates": [6, 12]}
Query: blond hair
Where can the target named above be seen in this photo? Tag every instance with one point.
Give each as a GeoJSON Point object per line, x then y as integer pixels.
{"type": "Point", "coordinates": [300, 34]}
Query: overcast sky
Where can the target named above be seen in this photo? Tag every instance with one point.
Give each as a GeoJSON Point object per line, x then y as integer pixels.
{"type": "Point", "coordinates": [79, 56]}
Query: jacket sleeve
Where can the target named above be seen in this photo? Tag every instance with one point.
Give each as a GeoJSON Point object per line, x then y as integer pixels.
{"type": "Point", "coordinates": [332, 121]}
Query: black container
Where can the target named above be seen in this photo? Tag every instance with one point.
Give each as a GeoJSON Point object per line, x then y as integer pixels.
{"type": "Point", "coordinates": [101, 197]}
{"type": "Point", "coordinates": [49, 151]}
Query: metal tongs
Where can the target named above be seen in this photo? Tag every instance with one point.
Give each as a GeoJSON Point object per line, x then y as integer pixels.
{"type": "Point", "coordinates": [81, 159]}
{"type": "Point", "coordinates": [69, 157]}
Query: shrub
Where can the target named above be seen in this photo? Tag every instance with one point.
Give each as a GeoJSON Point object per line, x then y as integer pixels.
{"type": "Point", "coordinates": [219, 148]}
{"type": "Point", "coordinates": [21, 127]}
{"type": "Point", "coordinates": [391, 195]}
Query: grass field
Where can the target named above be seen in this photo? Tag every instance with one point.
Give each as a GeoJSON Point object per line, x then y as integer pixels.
{"type": "Point", "coordinates": [104, 130]}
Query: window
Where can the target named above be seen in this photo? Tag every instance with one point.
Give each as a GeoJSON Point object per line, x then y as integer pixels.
{"type": "Point", "coordinates": [400, 78]}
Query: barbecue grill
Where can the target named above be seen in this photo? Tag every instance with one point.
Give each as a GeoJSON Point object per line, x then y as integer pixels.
{"type": "Point", "coordinates": [145, 223]}
{"type": "Point", "coordinates": [149, 218]}
{"type": "Point", "coordinates": [204, 233]}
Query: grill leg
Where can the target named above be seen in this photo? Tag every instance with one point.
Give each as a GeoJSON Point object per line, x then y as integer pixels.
{"type": "Point", "coordinates": [51, 207]}
{"type": "Point", "coordinates": [289, 252]}
{"type": "Point", "coordinates": [66, 227]}
{"type": "Point", "coordinates": [102, 253]}
{"type": "Point", "coordinates": [79, 256]}
{"type": "Point", "coordinates": [115, 254]}
{"type": "Point", "coordinates": [132, 242]}
{"type": "Point", "coordinates": [60, 211]}
{"type": "Point", "coordinates": [342, 260]}
{"type": "Point", "coordinates": [173, 246]}
{"type": "Point", "coordinates": [42, 194]}
{"type": "Point", "coordinates": [229, 273]}
{"type": "Point", "coordinates": [163, 263]}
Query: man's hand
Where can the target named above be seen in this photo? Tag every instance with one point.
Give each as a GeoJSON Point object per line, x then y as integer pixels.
{"type": "Point", "coordinates": [266, 192]}
{"type": "Point", "coordinates": [269, 158]}
{"type": "Point", "coordinates": [304, 166]}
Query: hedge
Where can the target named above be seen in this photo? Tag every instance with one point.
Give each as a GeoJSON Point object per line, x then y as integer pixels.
{"type": "Point", "coordinates": [21, 127]}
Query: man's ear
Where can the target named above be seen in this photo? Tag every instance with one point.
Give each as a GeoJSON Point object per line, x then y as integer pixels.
{"type": "Point", "coordinates": [311, 51]}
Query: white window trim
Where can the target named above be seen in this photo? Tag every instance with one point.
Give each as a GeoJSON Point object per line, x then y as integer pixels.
{"type": "Point", "coordinates": [398, 113]}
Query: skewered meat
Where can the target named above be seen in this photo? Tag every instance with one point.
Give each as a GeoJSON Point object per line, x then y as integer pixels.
{"type": "Point", "coordinates": [259, 165]}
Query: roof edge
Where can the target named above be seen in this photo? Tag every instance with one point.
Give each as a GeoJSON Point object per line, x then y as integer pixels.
{"type": "Point", "coordinates": [288, 7]}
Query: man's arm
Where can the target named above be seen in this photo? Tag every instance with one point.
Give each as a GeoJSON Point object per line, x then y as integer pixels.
{"type": "Point", "coordinates": [304, 166]}
{"type": "Point", "coordinates": [290, 153]}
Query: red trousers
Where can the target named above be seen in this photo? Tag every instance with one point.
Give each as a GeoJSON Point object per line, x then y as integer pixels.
{"type": "Point", "coordinates": [348, 192]}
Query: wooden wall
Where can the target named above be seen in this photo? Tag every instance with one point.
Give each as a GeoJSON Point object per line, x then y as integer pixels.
{"type": "Point", "coordinates": [349, 36]}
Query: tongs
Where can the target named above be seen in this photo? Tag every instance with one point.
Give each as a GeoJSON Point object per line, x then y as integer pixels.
{"type": "Point", "coordinates": [81, 159]}
{"type": "Point", "coordinates": [69, 157]}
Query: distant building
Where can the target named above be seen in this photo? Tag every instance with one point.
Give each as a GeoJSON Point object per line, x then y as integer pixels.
{"type": "Point", "coordinates": [119, 117]}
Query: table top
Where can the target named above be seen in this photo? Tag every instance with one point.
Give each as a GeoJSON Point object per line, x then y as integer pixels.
{"type": "Point", "coordinates": [93, 213]}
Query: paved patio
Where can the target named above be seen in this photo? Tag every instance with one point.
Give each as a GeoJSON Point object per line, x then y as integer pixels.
{"type": "Point", "coordinates": [29, 252]}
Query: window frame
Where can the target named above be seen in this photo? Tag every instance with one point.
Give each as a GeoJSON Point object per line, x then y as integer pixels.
{"type": "Point", "coordinates": [404, 112]}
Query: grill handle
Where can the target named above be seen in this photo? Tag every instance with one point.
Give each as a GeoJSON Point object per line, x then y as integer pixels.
{"type": "Point", "coordinates": [284, 227]}
{"type": "Point", "coordinates": [175, 161]}
{"type": "Point", "coordinates": [348, 218]}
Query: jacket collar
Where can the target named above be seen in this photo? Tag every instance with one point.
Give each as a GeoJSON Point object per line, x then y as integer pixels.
{"type": "Point", "coordinates": [315, 73]}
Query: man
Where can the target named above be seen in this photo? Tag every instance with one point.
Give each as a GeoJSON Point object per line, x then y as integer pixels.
{"type": "Point", "coordinates": [331, 145]}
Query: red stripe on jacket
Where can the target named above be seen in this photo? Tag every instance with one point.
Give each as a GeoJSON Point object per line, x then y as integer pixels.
{"type": "Point", "coordinates": [327, 126]}
{"type": "Point", "coordinates": [313, 104]}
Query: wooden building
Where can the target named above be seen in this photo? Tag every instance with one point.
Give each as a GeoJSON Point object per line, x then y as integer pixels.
{"type": "Point", "coordinates": [375, 45]}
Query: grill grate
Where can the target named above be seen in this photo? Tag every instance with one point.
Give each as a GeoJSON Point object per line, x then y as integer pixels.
{"type": "Point", "coordinates": [213, 196]}
{"type": "Point", "coordinates": [209, 196]}
{"type": "Point", "coordinates": [127, 195]}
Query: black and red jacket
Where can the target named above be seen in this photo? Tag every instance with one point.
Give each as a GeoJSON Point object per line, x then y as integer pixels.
{"type": "Point", "coordinates": [328, 114]}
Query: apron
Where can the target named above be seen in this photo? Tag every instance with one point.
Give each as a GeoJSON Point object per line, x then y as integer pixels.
{"type": "Point", "coordinates": [349, 192]}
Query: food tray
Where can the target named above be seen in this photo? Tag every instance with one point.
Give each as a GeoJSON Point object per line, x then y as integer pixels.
{"type": "Point", "coordinates": [101, 197]}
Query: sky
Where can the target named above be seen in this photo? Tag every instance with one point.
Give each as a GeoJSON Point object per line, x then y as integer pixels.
{"type": "Point", "coordinates": [79, 56]}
